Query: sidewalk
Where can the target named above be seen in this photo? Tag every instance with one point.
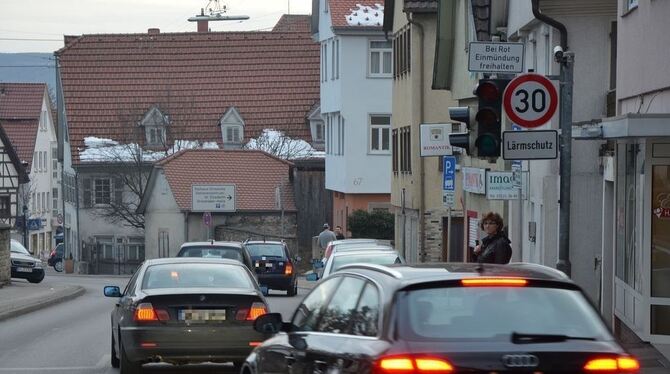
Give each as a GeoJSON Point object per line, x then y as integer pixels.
{"type": "Point", "coordinates": [21, 297]}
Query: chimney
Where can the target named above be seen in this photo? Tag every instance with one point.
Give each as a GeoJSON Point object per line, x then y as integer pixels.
{"type": "Point", "coordinates": [154, 31]}
{"type": "Point", "coordinates": [203, 25]}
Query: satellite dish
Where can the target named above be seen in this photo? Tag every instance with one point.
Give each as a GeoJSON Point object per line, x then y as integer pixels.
{"type": "Point", "coordinates": [217, 12]}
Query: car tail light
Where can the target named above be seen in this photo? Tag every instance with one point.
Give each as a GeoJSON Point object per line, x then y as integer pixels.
{"type": "Point", "coordinates": [257, 310]}
{"type": "Point", "coordinates": [622, 364]}
{"type": "Point", "coordinates": [408, 364]}
{"type": "Point", "coordinates": [494, 282]}
{"type": "Point", "coordinates": [288, 268]}
{"type": "Point", "coordinates": [145, 312]}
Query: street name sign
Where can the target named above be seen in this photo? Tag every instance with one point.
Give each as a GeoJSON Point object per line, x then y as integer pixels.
{"type": "Point", "coordinates": [530, 145]}
{"type": "Point", "coordinates": [491, 57]}
{"type": "Point", "coordinates": [435, 139]}
{"type": "Point", "coordinates": [530, 100]}
{"type": "Point", "coordinates": [213, 198]}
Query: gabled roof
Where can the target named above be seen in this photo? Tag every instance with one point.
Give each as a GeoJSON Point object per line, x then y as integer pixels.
{"type": "Point", "coordinates": [20, 111]}
{"type": "Point", "coordinates": [255, 174]}
{"type": "Point", "coordinates": [271, 78]}
{"type": "Point", "coordinates": [21, 171]}
{"type": "Point", "coordinates": [357, 13]}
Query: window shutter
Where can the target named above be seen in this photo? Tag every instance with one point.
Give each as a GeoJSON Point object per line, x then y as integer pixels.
{"type": "Point", "coordinates": [118, 190]}
{"type": "Point", "coordinates": [88, 201]}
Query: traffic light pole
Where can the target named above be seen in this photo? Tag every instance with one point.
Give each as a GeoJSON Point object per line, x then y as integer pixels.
{"type": "Point", "coordinates": [565, 120]}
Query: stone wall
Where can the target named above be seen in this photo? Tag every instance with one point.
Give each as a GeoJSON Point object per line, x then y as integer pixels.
{"type": "Point", "coordinates": [5, 262]}
{"type": "Point", "coordinates": [241, 227]}
{"type": "Point", "coordinates": [434, 233]}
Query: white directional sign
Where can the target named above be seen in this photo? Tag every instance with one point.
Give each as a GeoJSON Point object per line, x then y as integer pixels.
{"type": "Point", "coordinates": [488, 57]}
{"type": "Point", "coordinates": [213, 198]}
{"type": "Point", "coordinates": [530, 145]}
{"type": "Point", "coordinates": [530, 100]}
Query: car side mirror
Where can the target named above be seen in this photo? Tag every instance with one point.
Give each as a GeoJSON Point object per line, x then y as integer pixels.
{"type": "Point", "coordinates": [312, 277]}
{"type": "Point", "coordinates": [270, 323]}
{"type": "Point", "coordinates": [112, 291]}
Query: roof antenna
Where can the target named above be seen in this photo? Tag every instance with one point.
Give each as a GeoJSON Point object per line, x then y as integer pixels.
{"type": "Point", "coordinates": [217, 12]}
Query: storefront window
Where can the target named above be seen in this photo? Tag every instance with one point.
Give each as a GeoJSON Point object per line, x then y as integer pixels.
{"type": "Point", "coordinates": [627, 252]}
{"type": "Point", "coordinates": [660, 232]}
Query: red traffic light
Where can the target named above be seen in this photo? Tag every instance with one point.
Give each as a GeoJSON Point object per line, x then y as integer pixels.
{"type": "Point", "coordinates": [488, 90]}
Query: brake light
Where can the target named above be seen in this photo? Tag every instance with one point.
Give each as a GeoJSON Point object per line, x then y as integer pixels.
{"type": "Point", "coordinates": [493, 282]}
{"type": "Point", "coordinates": [257, 310]}
{"type": "Point", "coordinates": [146, 312]}
{"type": "Point", "coordinates": [403, 364]}
{"type": "Point", "coordinates": [288, 269]}
{"type": "Point", "coordinates": [627, 364]}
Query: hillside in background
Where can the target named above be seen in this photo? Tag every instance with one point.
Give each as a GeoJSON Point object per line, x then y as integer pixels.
{"type": "Point", "coordinates": [29, 68]}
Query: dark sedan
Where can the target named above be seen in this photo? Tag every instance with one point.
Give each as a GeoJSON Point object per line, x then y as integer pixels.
{"type": "Point", "coordinates": [274, 265]}
{"type": "Point", "coordinates": [185, 310]}
{"type": "Point", "coordinates": [441, 318]}
{"type": "Point", "coordinates": [24, 265]}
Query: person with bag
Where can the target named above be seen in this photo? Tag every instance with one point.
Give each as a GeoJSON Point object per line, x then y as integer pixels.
{"type": "Point", "coordinates": [495, 247]}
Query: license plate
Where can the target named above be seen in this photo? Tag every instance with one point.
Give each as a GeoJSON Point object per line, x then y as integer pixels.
{"type": "Point", "coordinates": [268, 264]}
{"type": "Point", "coordinates": [24, 270]}
{"type": "Point", "coordinates": [202, 315]}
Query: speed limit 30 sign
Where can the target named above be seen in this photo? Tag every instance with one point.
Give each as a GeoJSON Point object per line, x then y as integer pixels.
{"type": "Point", "coordinates": [530, 100]}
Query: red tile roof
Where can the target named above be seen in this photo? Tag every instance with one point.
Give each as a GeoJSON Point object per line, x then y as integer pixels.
{"type": "Point", "coordinates": [345, 13]}
{"type": "Point", "coordinates": [255, 175]}
{"type": "Point", "coordinates": [111, 81]}
{"type": "Point", "coordinates": [20, 110]}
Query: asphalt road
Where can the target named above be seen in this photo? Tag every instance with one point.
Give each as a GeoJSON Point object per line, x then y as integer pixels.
{"type": "Point", "coordinates": [74, 336]}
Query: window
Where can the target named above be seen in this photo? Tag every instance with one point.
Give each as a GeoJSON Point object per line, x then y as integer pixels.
{"type": "Point", "coordinates": [102, 191]}
{"type": "Point", "coordinates": [105, 247]}
{"type": "Point", "coordinates": [5, 207]}
{"type": "Point", "coordinates": [337, 59]}
{"type": "Point", "coordinates": [337, 315]}
{"type": "Point", "coordinates": [233, 134]}
{"type": "Point", "coordinates": [394, 154]}
{"type": "Point", "coordinates": [630, 4]}
{"type": "Point", "coordinates": [320, 131]}
{"type": "Point", "coordinates": [325, 61]}
{"type": "Point", "coordinates": [401, 52]}
{"type": "Point", "coordinates": [135, 249]}
{"type": "Point", "coordinates": [40, 167]}
{"type": "Point", "coordinates": [334, 57]}
{"type": "Point", "coordinates": [380, 58]}
{"type": "Point", "coordinates": [309, 311]}
{"type": "Point", "coordinates": [364, 320]}
{"type": "Point", "coordinates": [405, 150]}
{"type": "Point", "coordinates": [44, 203]}
{"type": "Point", "coordinates": [380, 130]}
{"type": "Point", "coordinates": [39, 203]}
{"type": "Point", "coordinates": [54, 193]}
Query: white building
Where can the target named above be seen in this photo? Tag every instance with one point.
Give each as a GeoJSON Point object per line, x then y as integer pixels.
{"type": "Point", "coordinates": [356, 79]}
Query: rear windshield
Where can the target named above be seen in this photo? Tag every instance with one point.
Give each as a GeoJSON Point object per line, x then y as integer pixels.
{"type": "Point", "coordinates": [212, 252]}
{"type": "Point", "coordinates": [493, 313]}
{"type": "Point", "coordinates": [196, 275]}
{"type": "Point", "coordinates": [270, 250]}
{"type": "Point", "coordinates": [379, 259]}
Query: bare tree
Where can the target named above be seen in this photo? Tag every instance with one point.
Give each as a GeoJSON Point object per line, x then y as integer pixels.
{"type": "Point", "coordinates": [276, 143]}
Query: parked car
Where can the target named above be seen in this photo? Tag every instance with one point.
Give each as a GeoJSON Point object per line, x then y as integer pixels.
{"type": "Point", "coordinates": [185, 310]}
{"type": "Point", "coordinates": [274, 265]}
{"type": "Point", "coordinates": [217, 249]}
{"type": "Point", "coordinates": [24, 265]}
{"type": "Point", "coordinates": [56, 257]}
{"type": "Point", "coordinates": [336, 243]}
{"type": "Point", "coordinates": [349, 247]}
{"type": "Point", "coordinates": [441, 318]}
{"type": "Point", "coordinates": [367, 255]}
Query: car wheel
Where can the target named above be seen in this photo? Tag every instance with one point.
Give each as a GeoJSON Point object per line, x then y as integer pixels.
{"type": "Point", "coordinates": [127, 366]}
{"type": "Point", "coordinates": [37, 279]}
{"type": "Point", "coordinates": [58, 266]}
{"type": "Point", "coordinates": [293, 290]}
{"type": "Point", "coordinates": [115, 359]}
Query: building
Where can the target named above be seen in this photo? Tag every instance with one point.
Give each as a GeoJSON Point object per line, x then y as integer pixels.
{"type": "Point", "coordinates": [421, 219]}
{"type": "Point", "coordinates": [356, 76]}
{"type": "Point", "coordinates": [27, 118]}
{"type": "Point", "coordinates": [197, 195]}
{"type": "Point", "coordinates": [130, 106]}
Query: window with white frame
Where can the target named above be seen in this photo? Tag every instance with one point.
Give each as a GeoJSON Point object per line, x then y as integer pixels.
{"type": "Point", "coordinates": [155, 124]}
{"type": "Point", "coordinates": [155, 135]}
{"type": "Point", "coordinates": [333, 56]}
{"type": "Point", "coordinates": [325, 60]}
{"type": "Point", "coordinates": [380, 132]}
{"type": "Point", "coordinates": [630, 4]}
{"type": "Point", "coordinates": [380, 56]}
{"type": "Point", "coordinates": [105, 246]}
{"type": "Point", "coordinates": [232, 133]}
{"type": "Point", "coordinates": [319, 131]}
{"type": "Point", "coordinates": [102, 191]}
{"type": "Point", "coordinates": [135, 249]}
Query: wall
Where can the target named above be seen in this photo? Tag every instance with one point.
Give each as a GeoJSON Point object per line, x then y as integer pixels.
{"type": "Point", "coordinates": [5, 262]}
{"type": "Point", "coordinates": [345, 204]}
{"type": "Point", "coordinates": [162, 214]}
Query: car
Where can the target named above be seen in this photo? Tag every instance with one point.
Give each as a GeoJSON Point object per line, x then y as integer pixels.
{"type": "Point", "coordinates": [332, 246]}
{"type": "Point", "coordinates": [56, 257]}
{"type": "Point", "coordinates": [441, 318]}
{"type": "Point", "coordinates": [217, 249]}
{"type": "Point", "coordinates": [274, 265]}
{"type": "Point", "coordinates": [369, 255]}
{"type": "Point", "coordinates": [24, 265]}
{"type": "Point", "coordinates": [185, 310]}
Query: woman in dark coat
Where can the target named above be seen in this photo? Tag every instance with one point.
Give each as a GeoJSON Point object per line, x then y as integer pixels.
{"type": "Point", "coordinates": [495, 248]}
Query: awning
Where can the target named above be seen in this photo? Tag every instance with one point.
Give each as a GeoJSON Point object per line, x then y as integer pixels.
{"type": "Point", "coordinates": [631, 125]}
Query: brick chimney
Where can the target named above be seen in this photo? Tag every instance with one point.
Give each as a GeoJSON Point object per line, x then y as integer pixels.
{"type": "Point", "coordinates": [203, 25]}
{"type": "Point", "coordinates": [154, 31]}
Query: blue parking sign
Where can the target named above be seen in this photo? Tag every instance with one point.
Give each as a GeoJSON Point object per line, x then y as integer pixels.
{"type": "Point", "coordinates": [449, 173]}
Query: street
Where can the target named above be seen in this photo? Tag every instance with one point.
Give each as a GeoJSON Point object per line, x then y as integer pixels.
{"type": "Point", "coordinates": [74, 336]}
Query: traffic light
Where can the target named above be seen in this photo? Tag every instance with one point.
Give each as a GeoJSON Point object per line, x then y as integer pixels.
{"type": "Point", "coordinates": [462, 139]}
{"type": "Point", "coordinates": [489, 93]}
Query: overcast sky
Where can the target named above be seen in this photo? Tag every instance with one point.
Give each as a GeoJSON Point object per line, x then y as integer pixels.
{"type": "Point", "coordinates": [39, 25]}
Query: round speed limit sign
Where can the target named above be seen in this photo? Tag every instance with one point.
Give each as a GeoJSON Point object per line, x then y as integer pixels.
{"type": "Point", "coordinates": [530, 100]}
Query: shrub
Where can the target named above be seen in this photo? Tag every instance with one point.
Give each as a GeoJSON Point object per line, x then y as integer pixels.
{"type": "Point", "coordinates": [376, 225]}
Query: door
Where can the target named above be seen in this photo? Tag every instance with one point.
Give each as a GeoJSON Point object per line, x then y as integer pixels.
{"type": "Point", "coordinates": [660, 250]}
{"type": "Point", "coordinates": [454, 252]}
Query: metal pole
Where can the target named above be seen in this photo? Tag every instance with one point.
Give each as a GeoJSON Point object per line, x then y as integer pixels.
{"type": "Point", "coordinates": [25, 227]}
{"type": "Point", "coordinates": [567, 65]}
{"type": "Point", "coordinates": [448, 236]}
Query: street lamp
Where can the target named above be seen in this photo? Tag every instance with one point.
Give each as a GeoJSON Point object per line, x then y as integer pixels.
{"type": "Point", "coordinates": [25, 226]}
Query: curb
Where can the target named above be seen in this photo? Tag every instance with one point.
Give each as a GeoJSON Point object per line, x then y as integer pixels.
{"type": "Point", "coordinates": [57, 297]}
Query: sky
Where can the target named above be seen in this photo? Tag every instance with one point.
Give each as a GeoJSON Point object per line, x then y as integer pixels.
{"type": "Point", "coordinates": [39, 25]}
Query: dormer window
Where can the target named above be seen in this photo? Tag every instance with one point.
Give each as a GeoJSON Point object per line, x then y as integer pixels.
{"type": "Point", "coordinates": [232, 128]}
{"type": "Point", "coordinates": [317, 126]}
{"type": "Point", "coordinates": [155, 124]}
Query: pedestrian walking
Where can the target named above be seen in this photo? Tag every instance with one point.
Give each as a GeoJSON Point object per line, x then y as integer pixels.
{"type": "Point", "coordinates": [495, 247]}
{"type": "Point", "coordinates": [338, 232]}
{"type": "Point", "coordinates": [326, 236]}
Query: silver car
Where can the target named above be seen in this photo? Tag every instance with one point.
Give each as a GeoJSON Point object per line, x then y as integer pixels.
{"type": "Point", "coordinates": [373, 256]}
